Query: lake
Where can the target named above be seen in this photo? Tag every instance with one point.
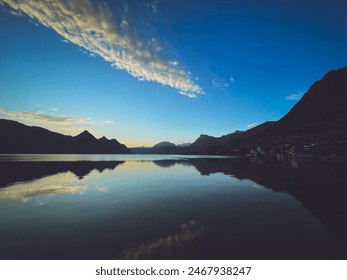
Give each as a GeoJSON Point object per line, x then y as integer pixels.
{"type": "Point", "coordinates": [171, 207]}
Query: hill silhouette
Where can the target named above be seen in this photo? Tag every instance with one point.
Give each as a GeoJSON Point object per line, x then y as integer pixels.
{"type": "Point", "coordinates": [163, 147]}
{"type": "Point", "coordinates": [20, 138]}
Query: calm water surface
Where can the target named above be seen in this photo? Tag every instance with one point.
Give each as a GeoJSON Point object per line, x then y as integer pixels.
{"type": "Point", "coordinates": [170, 207]}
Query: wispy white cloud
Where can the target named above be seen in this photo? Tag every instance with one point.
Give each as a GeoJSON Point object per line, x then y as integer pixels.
{"type": "Point", "coordinates": [153, 5]}
{"type": "Point", "coordinates": [231, 79]}
{"type": "Point", "coordinates": [33, 22]}
{"type": "Point", "coordinates": [294, 96]}
{"type": "Point", "coordinates": [220, 83]}
{"type": "Point", "coordinates": [15, 13]}
{"type": "Point", "coordinates": [44, 118]}
{"type": "Point", "coordinates": [54, 109]}
{"type": "Point", "coordinates": [106, 122]}
{"type": "Point", "coordinates": [251, 125]}
{"type": "Point", "coordinates": [93, 28]}
{"type": "Point", "coordinates": [62, 124]}
{"type": "Point", "coordinates": [188, 94]}
{"type": "Point", "coordinates": [84, 51]}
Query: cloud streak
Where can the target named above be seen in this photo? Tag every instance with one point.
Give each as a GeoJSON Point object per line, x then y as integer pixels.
{"type": "Point", "coordinates": [251, 125]}
{"type": "Point", "coordinates": [222, 83]}
{"type": "Point", "coordinates": [43, 118]}
{"type": "Point", "coordinates": [106, 123]}
{"type": "Point", "coordinates": [294, 96]}
{"type": "Point", "coordinates": [62, 124]}
{"type": "Point", "coordinates": [93, 28]}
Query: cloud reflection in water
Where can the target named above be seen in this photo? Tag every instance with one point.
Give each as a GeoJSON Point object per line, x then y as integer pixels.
{"type": "Point", "coordinates": [165, 247]}
{"type": "Point", "coordinates": [59, 184]}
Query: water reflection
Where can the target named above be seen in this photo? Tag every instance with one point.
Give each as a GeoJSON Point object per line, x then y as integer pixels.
{"type": "Point", "coordinates": [237, 208]}
{"type": "Point", "coordinates": [165, 163]}
{"type": "Point", "coordinates": [19, 171]}
{"type": "Point", "coordinates": [319, 185]}
{"type": "Point", "coordinates": [172, 246]}
{"type": "Point", "coordinates": [51, 185]}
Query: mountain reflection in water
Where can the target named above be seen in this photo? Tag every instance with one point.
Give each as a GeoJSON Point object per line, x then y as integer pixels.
{"type": "Point", "coordinates": [162, 208]}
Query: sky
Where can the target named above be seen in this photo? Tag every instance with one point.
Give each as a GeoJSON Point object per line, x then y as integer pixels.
{"type": "Point", "coordinates": [148, 71]}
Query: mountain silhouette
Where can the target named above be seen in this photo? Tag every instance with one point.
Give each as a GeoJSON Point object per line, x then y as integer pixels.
{"type": "Point", "coordinates": [164, 147]}
{"type": "Point", "coordinates": [20, 138]}
{"type": "Point", "coordinates": [164, 144]}
{"type": "Point", "coordinates": [221, 145]}
{"type": "Point", "coordinates": [319, 117]}
{"type": "Point", "coordinates": [325, 101]}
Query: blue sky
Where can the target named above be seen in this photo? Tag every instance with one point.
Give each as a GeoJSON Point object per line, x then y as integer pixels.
{"type": "Point", "coordinates": [148, 71]}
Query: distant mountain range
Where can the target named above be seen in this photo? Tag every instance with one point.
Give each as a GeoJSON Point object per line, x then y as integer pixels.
{"type": "Point", "coordinates": [19, 138]}
{"type": "Point", "coordinates": [164, 147]}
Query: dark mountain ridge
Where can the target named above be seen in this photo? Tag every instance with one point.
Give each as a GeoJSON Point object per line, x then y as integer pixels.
{"type": "Point", "coordinates": [19, 138]}
{"type": "Point", "coordinates": [325, 101]}
{"type": "Point", "coordinates": [205, 144]}
{"type": "Point", "coordinates": [319, 117]}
